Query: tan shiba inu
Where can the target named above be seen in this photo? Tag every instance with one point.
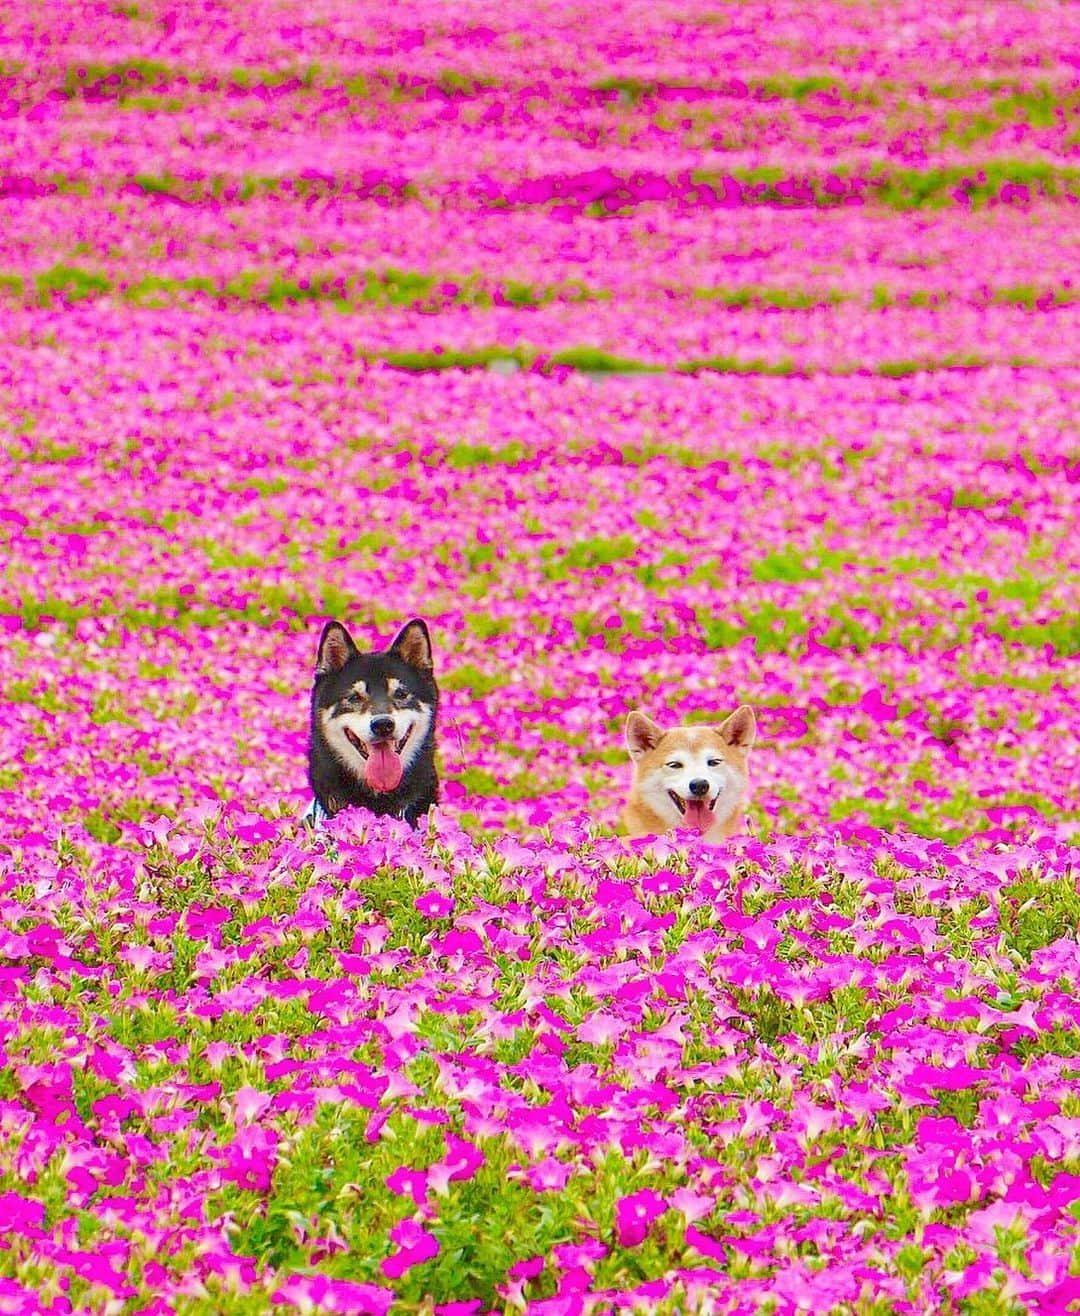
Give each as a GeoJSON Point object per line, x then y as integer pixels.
{"type": "Point", "coordinates": [689, 777]}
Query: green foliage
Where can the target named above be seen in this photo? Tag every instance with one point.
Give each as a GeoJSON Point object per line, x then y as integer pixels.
{"type": "Point", "coordinates": [70, 284]}
{"type": "Point", "coordinates": [453, 359]}
{"type": "Point", "coordinates": [593, 360]}
{"type": "Point", "coordinates": [586, 555]}
{"type": "Point", "coordinates": [464, 456]}
{"type": "Point", "coordinates": [731, 365]}
{"type": "Point", "coordinates": [469, 677]}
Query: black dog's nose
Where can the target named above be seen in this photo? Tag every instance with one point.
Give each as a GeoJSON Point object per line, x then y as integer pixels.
{"type": "Point", "coordinates": [381, 727]}
{"type": "Point", "coordinates": [698, 788]}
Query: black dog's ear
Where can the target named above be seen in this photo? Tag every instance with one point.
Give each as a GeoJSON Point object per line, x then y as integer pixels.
{"type": "Point", "coordinates": [413, 645]}
{"type": "Point", "coordinates": [336, 647]}
{"type": "Point", "coordinates": [642, 734]}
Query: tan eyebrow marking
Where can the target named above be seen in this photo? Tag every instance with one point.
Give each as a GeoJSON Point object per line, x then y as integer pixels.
{"type": "Point", "coordinates": [357, 692]}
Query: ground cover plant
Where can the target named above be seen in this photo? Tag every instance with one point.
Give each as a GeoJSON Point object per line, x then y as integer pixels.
{"type": "Point", "coordinates": [673, 356]}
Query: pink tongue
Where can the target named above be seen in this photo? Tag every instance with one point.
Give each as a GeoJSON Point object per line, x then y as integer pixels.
{"type": "Point", "coordinates": [698, 816]}
{"type": "Point", "coordinates": [383, 768]}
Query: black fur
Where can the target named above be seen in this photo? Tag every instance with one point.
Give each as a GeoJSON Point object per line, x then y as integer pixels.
{"type": "Point", "coordinates": [340, 666]}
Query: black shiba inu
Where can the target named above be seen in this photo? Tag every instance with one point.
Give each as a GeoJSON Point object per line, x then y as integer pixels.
{"type": "Point", "coordinates": [373, 725]}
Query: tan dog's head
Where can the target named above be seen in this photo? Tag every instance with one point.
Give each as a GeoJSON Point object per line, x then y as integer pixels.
{"type": "Point", "coordinates": [691, 776]}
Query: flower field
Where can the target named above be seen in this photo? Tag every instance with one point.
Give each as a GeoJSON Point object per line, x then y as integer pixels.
{"type": "Point", "coordinates": [670, 355]}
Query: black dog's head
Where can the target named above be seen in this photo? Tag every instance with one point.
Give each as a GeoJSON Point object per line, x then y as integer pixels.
{"type": "Point", "coordinates": [375, 712]}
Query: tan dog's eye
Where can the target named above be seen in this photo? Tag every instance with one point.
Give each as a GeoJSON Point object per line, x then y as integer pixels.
{"type": "Point", "coordinates": [713, 763]}
{"type": "Point", "coordinates": [675, 764]}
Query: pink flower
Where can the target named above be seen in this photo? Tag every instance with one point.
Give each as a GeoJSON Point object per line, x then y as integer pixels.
{"type": "Point", "coordinates": [602, 1028]}
{"type": "Point", "coordinates": [548, 1175]}
{"type": "Point", "coordinates": [433, 904]}
{"type": "Point", "coordinates": [415, 1246]}
{"type": "Point", "coordinates": [708, 1247]}
{"type": "Point", "coordinates": [408, 1183]}
{"type": "Point", "coordinates": [635, 1214]}
{"type": "Point", "coordinates": [694, 1206]}
{"type": "Point", "coordinates": [249, 1160]}
{"type": "Point", "coordinates": [143, 958]}
{"type": "Point", "coordinates": [571, 1256]}
{"type": "Point", "coordinates": [21, 1213]}
{"type": "Point", "coordinates": [339, 1296]}
{"type": "Point", "coordinates": [249, 1103]}
{"type": "Point", "coordinates": [663, 883]}
{"type": "Point", "coordinates": [462, 1162]}
{"type": "Point", "coordinates": [528, 1269]}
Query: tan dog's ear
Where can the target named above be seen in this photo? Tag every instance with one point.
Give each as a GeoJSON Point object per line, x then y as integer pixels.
{"type": "Point", "coordinates": [642, 734]}
{"type": "Point", "coordinates": [413, 645]}
{"type": "Point", "coordinates": [336, 647]}
{"type": "Point", "coordinates": [739, 729]}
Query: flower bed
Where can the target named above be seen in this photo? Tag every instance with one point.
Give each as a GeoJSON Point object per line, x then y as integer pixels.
{"type": "Point", "coordinates": [714, 358]}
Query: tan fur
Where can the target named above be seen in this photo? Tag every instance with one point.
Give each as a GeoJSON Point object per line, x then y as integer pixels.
{"type": "Point", "coordinates": [649, 810]}
{"type": "Point", "coordinates": [414, 646]}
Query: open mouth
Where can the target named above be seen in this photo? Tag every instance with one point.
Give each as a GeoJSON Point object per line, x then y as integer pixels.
{"type": "Point", "coordinates": [357, 744]}
{"type": "Point", "coordinates": [681, 804]}
{"type": "Point", "coordinates": [355, 741]}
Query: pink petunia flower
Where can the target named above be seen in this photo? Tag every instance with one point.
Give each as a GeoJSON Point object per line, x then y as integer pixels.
{"type": "Point", "coordinates": [408, 1183]}
{"type": "Point", "coordinates": [433, 904]}
{"type": "Point", "coordinates": [635, 1214]}
{"type": "Point", "coordinates": [462, 1162]}
{"type": "Point", "coordinates": [548, 1175]}
{"type": "Point", "coordinates": [415, 1246]}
